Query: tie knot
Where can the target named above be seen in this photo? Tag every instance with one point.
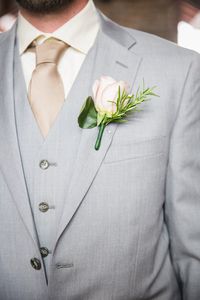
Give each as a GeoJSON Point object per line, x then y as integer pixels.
{"type": "Point", "coordinates": [49, 51]}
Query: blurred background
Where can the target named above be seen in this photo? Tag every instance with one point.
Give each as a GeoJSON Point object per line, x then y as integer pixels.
{"type": "Point", "coordinates": [175, 20]}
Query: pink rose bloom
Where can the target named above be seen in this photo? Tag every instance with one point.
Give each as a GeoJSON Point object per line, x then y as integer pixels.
{"type": "Point", "coordinates": [105, 90]}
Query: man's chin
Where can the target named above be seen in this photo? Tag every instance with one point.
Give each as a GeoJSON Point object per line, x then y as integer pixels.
{"type": "Point", "coordinates": [44, 6]}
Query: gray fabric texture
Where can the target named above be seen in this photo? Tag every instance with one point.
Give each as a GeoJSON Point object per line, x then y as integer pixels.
{"type": "Point", "coordinates": [127, 220]}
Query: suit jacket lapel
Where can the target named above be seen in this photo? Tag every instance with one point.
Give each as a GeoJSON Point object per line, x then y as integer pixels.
{"type": "Point", "coordinates": [114, 57]}
{"type": "Point", "coordinates": [10, 160]}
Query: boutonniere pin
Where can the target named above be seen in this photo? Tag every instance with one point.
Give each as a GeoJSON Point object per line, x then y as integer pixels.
{"type": "Point", "coordinates": [111, 104]}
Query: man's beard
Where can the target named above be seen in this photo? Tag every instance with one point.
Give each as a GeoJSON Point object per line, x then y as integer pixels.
{"type": "Point", "coordinates": [44, 6]}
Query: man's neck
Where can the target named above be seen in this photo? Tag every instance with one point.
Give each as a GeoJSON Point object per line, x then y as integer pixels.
{"type": "Point", "coordinates": [50, 22]}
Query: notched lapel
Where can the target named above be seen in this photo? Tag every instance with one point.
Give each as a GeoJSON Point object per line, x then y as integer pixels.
{"type": "Point", "coordinates": [10, 160]}
{"type": "Point", "coordinates": [115, 60]}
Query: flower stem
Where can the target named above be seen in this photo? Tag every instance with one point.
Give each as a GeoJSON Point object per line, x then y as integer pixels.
{"type": "Point", "coordinates": [100, 134]}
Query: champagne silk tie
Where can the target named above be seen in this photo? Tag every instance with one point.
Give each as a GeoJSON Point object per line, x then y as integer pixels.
{"type": "Point", "coordinates": [46, 90]}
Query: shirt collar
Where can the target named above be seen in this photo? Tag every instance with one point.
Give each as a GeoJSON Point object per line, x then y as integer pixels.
{"type": "Point", "coordinates": [79, 32]}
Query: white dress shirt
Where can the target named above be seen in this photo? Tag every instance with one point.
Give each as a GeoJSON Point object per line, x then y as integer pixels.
{"type": "Point", "coordinates": [79, 33]}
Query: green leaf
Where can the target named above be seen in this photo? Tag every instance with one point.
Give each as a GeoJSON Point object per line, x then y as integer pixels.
{"type": "Point", "coordinates": [100, 118]}
{"type": "Point", "coordinates": [88, 115]}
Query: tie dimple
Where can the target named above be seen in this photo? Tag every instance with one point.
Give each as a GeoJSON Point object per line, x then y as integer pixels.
{"type": "Point", "coordinates": [46, 90]}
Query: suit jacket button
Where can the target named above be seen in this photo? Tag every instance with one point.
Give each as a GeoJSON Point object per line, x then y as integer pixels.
{"type": "Point", "coordinates": [44, 164]}
{"type": "Point", "coordinates": [44, 251]}
{"type": "Point", "coordinates": [35, 263]}
{"type": "Point", "coordinates": [43, 207]}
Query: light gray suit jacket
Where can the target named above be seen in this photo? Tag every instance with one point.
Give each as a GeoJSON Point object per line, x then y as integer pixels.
{"type": "Point", "coordinates": [131, 226]}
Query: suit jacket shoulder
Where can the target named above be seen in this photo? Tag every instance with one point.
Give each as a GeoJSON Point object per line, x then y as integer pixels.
{"type": "Point", "coordinates": [149, 44]}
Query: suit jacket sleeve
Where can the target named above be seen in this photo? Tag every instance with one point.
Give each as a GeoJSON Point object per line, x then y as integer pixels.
{"type": "Point", "coordinates": [182, 207]}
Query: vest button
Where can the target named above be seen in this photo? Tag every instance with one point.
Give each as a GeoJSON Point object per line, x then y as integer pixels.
{"type": "Point", "coordinates": [44, 251]}
{"type": "Point", "coordinates": [43, 207]}
{"type": "Point", "coordinates": [35, 263]}
{"type": "Point", "coordinates": [44, 164]}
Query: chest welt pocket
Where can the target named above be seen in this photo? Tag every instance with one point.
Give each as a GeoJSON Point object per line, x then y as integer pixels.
{"type": "Point", "coordinates": [137, 149]}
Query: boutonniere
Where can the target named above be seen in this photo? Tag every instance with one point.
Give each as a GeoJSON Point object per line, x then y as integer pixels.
{"type": "Point", "coordinates": [111, 104]}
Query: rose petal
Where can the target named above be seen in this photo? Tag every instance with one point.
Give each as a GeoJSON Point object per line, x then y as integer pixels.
{"type": "Point", "coordinates": [123, 86]}
{"type": "Point", "coordinates": [107, 80]}
{"type": "Point", "coordinates": [106, 90]}
{"type": "Point", "coordinates": [103, 83]}
{"type": "Point", "coordinates": [110, 93]}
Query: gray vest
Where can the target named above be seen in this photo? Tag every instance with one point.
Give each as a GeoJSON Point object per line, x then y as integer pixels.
{"type": "Point", "coordinates": [47, 163]}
